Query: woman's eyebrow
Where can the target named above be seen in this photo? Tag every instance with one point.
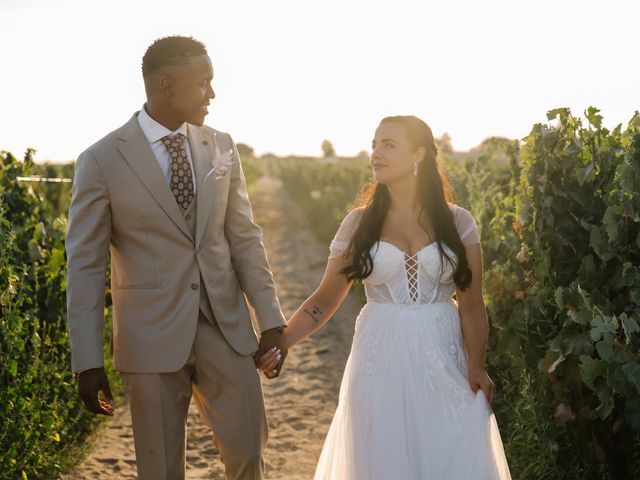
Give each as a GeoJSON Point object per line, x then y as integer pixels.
{"type": "Point", "coordinates": [373, 142]}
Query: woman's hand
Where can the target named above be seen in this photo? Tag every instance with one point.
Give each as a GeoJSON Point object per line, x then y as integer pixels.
{"type": "Point", "coordinates": [479, 379]}
{"type": "Point", "coordinates": [268, 362]}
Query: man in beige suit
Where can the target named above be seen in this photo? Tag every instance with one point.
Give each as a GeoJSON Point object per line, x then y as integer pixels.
{"type": "Point", "coordinates": [166, 197]}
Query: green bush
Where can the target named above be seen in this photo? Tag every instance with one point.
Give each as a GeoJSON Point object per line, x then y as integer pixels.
{"type": "Point", "coordinates": [560, 239]}
{"type": "Point", "coordinates": [57, 195]}
{"type": "Point", "coordinates": [324, 190]}
{"type": "Point", "coordinates": [42, 420]}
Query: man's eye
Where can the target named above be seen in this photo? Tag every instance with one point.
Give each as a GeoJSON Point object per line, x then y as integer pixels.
{"type": "Point", "coordinates": [389, 145]}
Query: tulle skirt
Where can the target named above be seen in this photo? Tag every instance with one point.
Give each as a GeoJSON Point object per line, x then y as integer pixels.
{"type": "Point", "coordinates": [405, 409]}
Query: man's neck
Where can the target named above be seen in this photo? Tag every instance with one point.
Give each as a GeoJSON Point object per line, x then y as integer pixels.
{"type": "Point", "coordinates": [162, 117]}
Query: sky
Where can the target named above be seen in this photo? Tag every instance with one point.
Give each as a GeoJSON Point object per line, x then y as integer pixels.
{"type": "Point", "coordinates": [291, 73]}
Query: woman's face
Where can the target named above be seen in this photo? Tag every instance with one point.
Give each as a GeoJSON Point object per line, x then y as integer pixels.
{"type": "Point", "coordinates": [393, 155]}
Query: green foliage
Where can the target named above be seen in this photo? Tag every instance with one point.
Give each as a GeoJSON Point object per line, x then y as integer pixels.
{"type": "Point", "coordinates": [42, 421]}
{"type": "Point", "coordinates": [57, 195]}
{"type": "Point", "coordinates": [324, 190]}
{"type": "Point", "coordinates": [251, 167]}
{"type": "Point", "coordinates": [560, 240]}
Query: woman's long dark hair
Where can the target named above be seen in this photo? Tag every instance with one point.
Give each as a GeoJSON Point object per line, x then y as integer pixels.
{"type": "Point", "coordinates": [434, 192]}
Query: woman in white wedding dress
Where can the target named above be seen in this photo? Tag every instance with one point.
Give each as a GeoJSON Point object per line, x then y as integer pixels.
{"type": "Point", "coordinates": [415, 398]}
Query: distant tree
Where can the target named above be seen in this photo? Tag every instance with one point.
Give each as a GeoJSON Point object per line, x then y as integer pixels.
{"type": "Point", "coordinates": [444, 144]}
{"type": "Point", "coordinates": [327, 149]}
{"type": "Point", "coordinates": [245, 150]}
{"type": "Point", "coordinates": [363, 155]}
{"type": "Point", "coordinates": [496, 143]}
{"type": "Point", "coordinates": [496, 148]}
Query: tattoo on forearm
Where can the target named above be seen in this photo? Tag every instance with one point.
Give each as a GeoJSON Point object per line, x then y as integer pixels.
{"type": "Point", "coordinates": [314, 313]}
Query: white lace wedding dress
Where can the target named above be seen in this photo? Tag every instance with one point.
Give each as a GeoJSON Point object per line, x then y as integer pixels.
{"type": "Point", "coordinates": [406, 410]}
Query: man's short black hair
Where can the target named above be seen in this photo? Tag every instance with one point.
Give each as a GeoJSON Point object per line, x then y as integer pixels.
{"type": "Point", "coordinates": [173, 50]}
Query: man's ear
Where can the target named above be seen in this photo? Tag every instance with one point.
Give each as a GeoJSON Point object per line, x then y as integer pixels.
{"type": "Point", "coordinates": [166, 82]}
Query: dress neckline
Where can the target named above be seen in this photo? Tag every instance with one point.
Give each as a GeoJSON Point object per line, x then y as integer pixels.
{"type": "Point", "coordinates": [405, 253]}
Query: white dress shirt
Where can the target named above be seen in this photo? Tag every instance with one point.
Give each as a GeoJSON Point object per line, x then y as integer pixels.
{"type": "Point", "coordinates": [154, 133]}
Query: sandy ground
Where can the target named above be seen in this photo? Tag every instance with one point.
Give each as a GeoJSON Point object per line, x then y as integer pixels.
{"type": "Point", "coordinates": [300, 404]}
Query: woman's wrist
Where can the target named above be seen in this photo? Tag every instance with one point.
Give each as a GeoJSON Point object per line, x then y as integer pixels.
{"type": "Point", "coordinates": [286, 338]}
{"type": "Point", "coordinates": [477, 366]}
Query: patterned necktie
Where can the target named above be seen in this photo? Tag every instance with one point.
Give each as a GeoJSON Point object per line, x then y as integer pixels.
{"type": "Point", "coordinates": [181, 177]}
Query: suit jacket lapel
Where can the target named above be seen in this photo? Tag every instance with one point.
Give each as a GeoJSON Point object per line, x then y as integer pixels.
{"type": "Point", "coordinates": [135, 149]}
{"type": "Point", "coordinates": [201, 147]}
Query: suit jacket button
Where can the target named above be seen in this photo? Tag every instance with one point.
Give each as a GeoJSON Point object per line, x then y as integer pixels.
{"type": "Point", "coordinates": [187, 216]}
{"type": "Point", "coordinates": [194, 286]}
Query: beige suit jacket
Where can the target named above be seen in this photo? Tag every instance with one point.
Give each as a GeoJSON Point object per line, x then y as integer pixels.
{"type": "Point", "coordinates": [121, 203]}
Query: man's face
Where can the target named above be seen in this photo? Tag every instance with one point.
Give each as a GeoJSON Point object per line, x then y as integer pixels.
{"type": "Point", "coordinates": [191, 90]}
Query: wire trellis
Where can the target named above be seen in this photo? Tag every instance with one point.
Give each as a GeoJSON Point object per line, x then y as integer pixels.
{"type": "Point", "coordinates": [44, 179]}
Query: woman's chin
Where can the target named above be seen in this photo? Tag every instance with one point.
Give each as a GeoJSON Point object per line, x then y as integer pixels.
{"type": "Point", "coordinates": [385, 179]}
{"type": "Point", "coordinates": [390, 180]}
{"type": "Point", "coordinates": [382, 179]}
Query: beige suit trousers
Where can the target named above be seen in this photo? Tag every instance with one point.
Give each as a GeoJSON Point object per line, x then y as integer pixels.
{"type": "Point", "coordinates": [228, 394]}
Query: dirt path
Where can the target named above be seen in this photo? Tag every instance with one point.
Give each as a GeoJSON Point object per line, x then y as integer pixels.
{"type": "Point", "coordinates": [300, 404]}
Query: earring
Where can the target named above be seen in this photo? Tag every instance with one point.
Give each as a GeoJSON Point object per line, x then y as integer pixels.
{"type": "Point", "coordinates": [415, 168]}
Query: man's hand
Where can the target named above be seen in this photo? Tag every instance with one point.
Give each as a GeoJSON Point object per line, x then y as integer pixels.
{"type": "Point", "coordinates": [90, 382]}
{"type": "Point", "coordinates": [272, 343]}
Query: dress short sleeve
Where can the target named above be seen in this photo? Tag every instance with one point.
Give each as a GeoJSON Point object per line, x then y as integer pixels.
{"type": "Point", "coordinates": [346, 230]}
{"type": "Point", "coordinates": [466, 226]}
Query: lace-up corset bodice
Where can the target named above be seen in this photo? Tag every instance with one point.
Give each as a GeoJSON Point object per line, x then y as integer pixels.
{"type": "Point", "coordinates": [400, 278]}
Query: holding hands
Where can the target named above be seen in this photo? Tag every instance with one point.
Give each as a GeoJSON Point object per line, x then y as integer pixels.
{"type": "Point", "coordinates": [308, 318]}
{"type": "Point", "coordinates": [269, 361]}
{"type": "Point", "coordinates": [271, 353]}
